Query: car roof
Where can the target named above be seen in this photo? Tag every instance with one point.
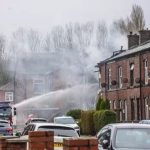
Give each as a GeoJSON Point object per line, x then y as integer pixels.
{"type": "Point", "coordinates": [128, 125]}
{"type": "Point", "coordinates": [62, 117]}
{"type": "Point", "coordinates": [49, 124]}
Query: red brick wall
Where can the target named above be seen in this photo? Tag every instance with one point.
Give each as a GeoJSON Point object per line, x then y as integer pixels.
{"type": "Point", "coordinates": [127, 92]}
{"type": "Point", "coordinates": [40, 140]}
{"type": "Point", "coordinates": [80, 144]}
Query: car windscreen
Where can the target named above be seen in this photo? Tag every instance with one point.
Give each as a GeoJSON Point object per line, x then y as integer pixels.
{"type": "Point", "coordinates": [39, 120]}
{"type": "Point", "coordinates": [59, 131]}
{"type": "Point", "coordinates": [64, 120]}
{"type": "Point", "coordinates": [136, 138]}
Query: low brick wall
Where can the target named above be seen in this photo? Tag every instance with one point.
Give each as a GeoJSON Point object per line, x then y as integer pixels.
{"type": "Point", "coordinates": [41, 140]}
{"type": "Point", "coordinates": [80, 144]}
{"type": "Point", "coordinates": [44, 140]}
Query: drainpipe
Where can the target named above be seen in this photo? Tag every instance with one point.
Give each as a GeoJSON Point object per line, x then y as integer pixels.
{"type": "Point", "coordinates": [141, 102]}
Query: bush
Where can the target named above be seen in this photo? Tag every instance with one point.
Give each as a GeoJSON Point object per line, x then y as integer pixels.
{"type": "Point", "coordinates": [98, 103]}
{"type": "Point", "coordinates": [75, 113]}
{"type": "Point", "coordinates": [87, 124]}
{"type": "Point", "coordinates": [102, 118]}
{"type": "Point", "coordinates": [102, 104]}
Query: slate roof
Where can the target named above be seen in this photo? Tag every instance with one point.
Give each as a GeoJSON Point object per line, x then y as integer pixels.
{"type": "Point", "coordinates": [128, 52]}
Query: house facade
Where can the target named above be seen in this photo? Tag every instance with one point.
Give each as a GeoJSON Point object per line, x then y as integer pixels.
{"type": "Point", "coordinates": [125, 79]}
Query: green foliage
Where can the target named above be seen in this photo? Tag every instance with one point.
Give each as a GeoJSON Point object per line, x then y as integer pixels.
{"type": "Point", "coordinates": [75, 113]}
{"type": "Point", "coordinates": [102, 118]}
{"type": "Point", "coordinates": [87, 124]}
{"type": "Point", "coordinates": [98, 103]}
{"type": "Point", "coordinates": [102, 104]}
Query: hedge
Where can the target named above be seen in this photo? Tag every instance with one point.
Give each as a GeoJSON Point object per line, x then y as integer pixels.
{"type": "Point", "coordinates": [87, 124]}
{"type": "Point", "coordinates": [102, 118]}
{"type": "Point", "coordinates": [75, 113]}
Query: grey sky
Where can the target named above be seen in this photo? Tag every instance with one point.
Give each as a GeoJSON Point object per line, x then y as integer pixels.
{"type": "Point", "coordinates": [42, 14]}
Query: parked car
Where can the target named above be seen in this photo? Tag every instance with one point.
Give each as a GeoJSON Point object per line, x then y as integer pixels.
{"type": "Point", "coordinates": [124, 136]}
{"type": "Point", "coordinates": [59, 129]}
{"type": "Point", "coordinates": [35, 120]}
{"type": "Point", "coordinates": [5, 128]}
{"type": "Point", "coordinates": [60, 132]}
{"type": "Point", "coordinates": [145, 122]}
{"type": "Point", "coordinates": [69, 121]}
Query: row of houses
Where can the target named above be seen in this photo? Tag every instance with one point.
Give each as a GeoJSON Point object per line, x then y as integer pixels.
{"type": "Point", "coordinates": [124, 78]}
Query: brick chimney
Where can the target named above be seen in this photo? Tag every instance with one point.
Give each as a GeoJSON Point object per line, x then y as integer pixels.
{"type": "Point", "coordinates": [144, 36]}
{"type": "Point", "coordinates": [133, 40]}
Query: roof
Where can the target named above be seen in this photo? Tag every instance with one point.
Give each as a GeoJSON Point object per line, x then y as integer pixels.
{"type": "Point", "coordinates": [7, 87]}
{"type": "Point", "coordinates": [129, 125]}
{"type": "Point", "coordinates": [62, 117]}
{"type": "Point", "coordinates": [128, 52]}
{"type": "Point", "coordinates": [50, 124]}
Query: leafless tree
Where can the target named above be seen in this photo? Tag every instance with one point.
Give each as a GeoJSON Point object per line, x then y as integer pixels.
{"type": "Point", "coordinates": [34, 41]}
{"type": "Point", "coordinates": [133, 23]}
{"type": "Point", "coordinates": [58, 37]}
{"type": "Point", "coordinates": [83, 34]}
{"type": "Point", "coordinates": [101, 35]}
{"type": "Point", "coordinates": [69, 36]}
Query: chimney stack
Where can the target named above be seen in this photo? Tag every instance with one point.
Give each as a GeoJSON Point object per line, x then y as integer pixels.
{"type": "Point", "coordinates": [144, 36]}
{"type": "Point", "coordinates": [133, 40]}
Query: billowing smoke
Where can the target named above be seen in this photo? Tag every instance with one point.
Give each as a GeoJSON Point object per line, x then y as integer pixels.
{"type": "Point", "coordinates": [68, 55]}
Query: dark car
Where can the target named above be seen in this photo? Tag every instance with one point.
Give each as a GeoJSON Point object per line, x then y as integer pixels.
{"type": "Point", "coordinates": [5, 128]}
{"type": "Point", "coordinates": [124, 136]}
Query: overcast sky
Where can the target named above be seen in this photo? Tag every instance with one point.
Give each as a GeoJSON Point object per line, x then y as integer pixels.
{"type": "Point", "coordinates": [43, 14]}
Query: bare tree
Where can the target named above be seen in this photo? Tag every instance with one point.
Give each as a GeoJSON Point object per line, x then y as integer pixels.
{"type": "Point", "coordinates": [69, 36]}
{"type": "Point", "coordinates": [34, 41]}
{"type": "Point", "coordinates": [133, 23]}
{"type": "Point", "coordinates": [58, 37]}
{"type": "Point", "coordinates": [2, 46]}
{"type": "Point", "coordinates": [101, 35]}
{"type": "Point", "coordinates": [137, 18]}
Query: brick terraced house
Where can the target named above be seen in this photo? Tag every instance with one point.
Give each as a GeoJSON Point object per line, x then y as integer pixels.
{"type": "Point", "coordinates": [125, 78]}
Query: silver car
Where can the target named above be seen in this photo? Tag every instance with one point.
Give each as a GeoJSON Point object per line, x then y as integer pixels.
{"type": "Point", "coordinates": [124, 136]}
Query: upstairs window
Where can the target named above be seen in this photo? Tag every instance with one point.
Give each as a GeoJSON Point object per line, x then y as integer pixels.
{"type": "Point", "coordinates": [8, 96]}
{"type": "Point", "coordinates": [109, 78]}
{"type": "Point", "coordinates": [120, 77]}
{"type": "Point", "coordinates": [38, 86]}
{"type": "Point", "coordinates": [146, 71]}
{"type": "Point", "coordinates": [131, 74]}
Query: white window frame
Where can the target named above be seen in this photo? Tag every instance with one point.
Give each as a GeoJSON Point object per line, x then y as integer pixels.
{"type": "Point", "coordinates": [38, 82]}
{"type": "Point", "coordinates": [9, 96]}
{"type": "Point", "coordinates": [109, 78]}
{"type": "Point", "coordinates": [146, 71]}
{"type": "Point", "coordinates": [120, 77]}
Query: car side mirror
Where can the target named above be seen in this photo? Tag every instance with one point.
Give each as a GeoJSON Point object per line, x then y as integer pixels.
{"type": "Point", "coordinates": [105, 144]}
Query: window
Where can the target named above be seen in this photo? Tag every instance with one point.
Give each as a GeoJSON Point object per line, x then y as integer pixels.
{"type": "Point", "coordinates": [131, 74]}
{"type": "Point", "coordinates": [120, 106]}
{"type": "Point", "coordinates": [104, 135]}
{"type": "Point", "coordinates": [38, 86]}
{"type": "Point", "coordinates": [120, 77]}
{"type": "Point", "coordinates": [114, 104]}
{"type": "Point", "coordinates": [109, 78]}
{"type": "Point", "coordinates": [99, 78]}
{"type": "Point", "coordinates": [125, 109]}
{"type": "Point", "coordinates": [146, 71]}
{"type": "Point", "coordinates": [8, 96]}
{"type": "Point", "coordinates": [146, 108]}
